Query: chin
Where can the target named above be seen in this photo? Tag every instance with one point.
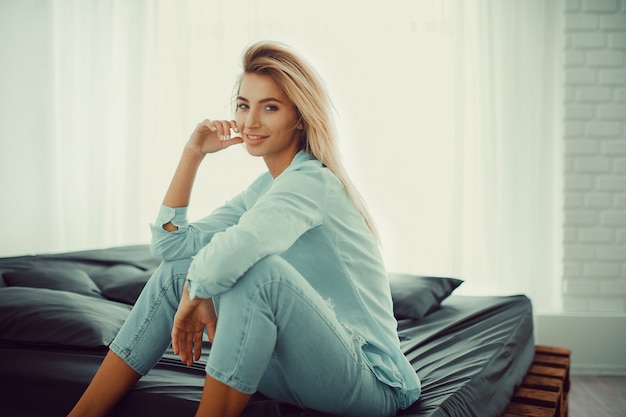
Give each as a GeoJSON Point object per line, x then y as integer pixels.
{"type": "Point", "coordinates": [253, 150]}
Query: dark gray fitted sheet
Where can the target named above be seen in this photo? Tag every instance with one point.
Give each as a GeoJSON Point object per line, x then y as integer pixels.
{"type": "Point", "coordinates": [470, 355]}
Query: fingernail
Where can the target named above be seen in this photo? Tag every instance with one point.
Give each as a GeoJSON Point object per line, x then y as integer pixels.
{"type": "Point", "coordinates": [213, 128]}
{"type": "Point", "coordinates": [235, 129]}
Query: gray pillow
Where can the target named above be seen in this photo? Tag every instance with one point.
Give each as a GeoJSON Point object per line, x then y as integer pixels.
{"type": "Point", "coordinates": [416, 296]}
{"type": "Point", "coordinates": [52, 317]}
{"type": "Point", "coordinates": [62, 278]}
{"type": "Point", "coordinates": [122, 283]}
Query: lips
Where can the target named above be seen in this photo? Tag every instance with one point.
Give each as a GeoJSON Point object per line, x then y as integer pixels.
{"type": "Point", "coordinates": [255, 138]}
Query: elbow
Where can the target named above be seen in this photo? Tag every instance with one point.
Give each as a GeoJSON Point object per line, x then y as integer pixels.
{"type": "Point", "coordinates": [158, 243]}
{"type": "Point", "coordinates": [165, 250]}
{"type": "Point", "coordinates": [169, 246]}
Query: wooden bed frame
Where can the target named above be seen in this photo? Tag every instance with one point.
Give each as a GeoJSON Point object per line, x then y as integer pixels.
{"type": "Point", "coordinates": [545, 388]}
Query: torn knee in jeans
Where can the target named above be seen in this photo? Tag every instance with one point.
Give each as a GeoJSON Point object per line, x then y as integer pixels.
{"type": "Point", "coordinates": [355, 336]}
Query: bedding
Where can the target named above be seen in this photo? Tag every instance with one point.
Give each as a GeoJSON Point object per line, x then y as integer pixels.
{"type": "Point", "coordinates": [59, 312]}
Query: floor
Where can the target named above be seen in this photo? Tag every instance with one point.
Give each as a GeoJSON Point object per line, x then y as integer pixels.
{"type": "Point", "coordinates": [598, 396]}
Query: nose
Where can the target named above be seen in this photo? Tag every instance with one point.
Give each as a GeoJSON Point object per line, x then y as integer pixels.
{"type": "Point", "coordinates": [252, 120]}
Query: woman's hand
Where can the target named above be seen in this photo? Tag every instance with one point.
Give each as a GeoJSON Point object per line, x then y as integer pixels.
{"type": "Point", "coordinates": [190, 320]}
{"type": "Point", "coordinates": [213, 135]}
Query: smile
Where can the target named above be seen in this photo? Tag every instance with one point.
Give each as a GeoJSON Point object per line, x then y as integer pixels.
{"type": "Point", "coordinates": [255, 137]}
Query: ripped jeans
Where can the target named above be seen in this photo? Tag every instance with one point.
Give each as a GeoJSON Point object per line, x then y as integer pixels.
{"type": "Point", "coordinates": [275, 334]}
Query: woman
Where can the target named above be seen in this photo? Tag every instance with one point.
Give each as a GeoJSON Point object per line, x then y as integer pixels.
{"type": "Point", "coordinates": [286, 278]}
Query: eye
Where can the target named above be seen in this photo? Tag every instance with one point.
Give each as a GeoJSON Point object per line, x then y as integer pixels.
{"type": "Point", "coordinates": [271, 107]}
{"type": "Point", "coordinates": [242, 106]}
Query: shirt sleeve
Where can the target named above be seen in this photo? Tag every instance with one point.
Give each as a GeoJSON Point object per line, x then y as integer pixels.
{"type": "Point", "coordinates": [191, 237]}
{"type": "Point", "coordinates": [294, 204]}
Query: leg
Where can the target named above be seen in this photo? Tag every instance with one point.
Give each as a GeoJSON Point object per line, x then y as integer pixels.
{"type": "Point", "coordinates": [140, 343]}
{"type": "Point", "coordinates": [220, 400]}
{"type": "Point", "coordinates": [146, 334]}
{"type": "Point", "coordinates": [102, 395]}
{"type": "Point", "coordinates": [276, 334]}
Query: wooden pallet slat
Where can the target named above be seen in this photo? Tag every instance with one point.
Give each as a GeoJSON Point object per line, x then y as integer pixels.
{"type": "Point", "coordinates": [543, 383]}
{"type": "Point", "coordinates": [549, 360]}
{"type": "Point", "coordinates": [526, 410]}
{"type": "Point", "coordinates": [532, 396]}
{"type": "Point", "coordinates": [553, 350]}
{"type": "Point", "coordinates": [548, 371]}
{"type": "Point", "coordinates": [545, 388]}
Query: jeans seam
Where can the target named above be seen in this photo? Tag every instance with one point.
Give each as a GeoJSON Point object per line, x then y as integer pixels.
{"type": "Point", "coordinates": [320, 314]}
{"type": "Point", "coordinates": [230, 377]}
{"type": "Point", "coordinates": [244, 338]}
{"type": "Point", "coordinates": [126, 352]}
{"type": "Point", "coordinates": [349, 349]}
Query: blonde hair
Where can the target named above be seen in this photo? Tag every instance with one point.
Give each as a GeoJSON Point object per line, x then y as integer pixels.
{"type": "Point", "coordinates": [305, 89]}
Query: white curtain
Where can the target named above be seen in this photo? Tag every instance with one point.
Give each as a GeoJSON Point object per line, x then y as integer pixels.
{"type": "Point", "coordinates": [506, 211]}
{"type": "Point", "coordinates": [448, 114]}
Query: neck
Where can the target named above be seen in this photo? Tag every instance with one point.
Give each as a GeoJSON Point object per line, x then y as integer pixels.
{"type": "Point", "coordinates": [276, 165]}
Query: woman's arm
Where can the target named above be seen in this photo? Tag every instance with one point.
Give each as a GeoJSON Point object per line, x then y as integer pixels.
{"type": "Point", "coordinates": [193, 316]}
{"type": "Point", "coordinates": [208, 137]}
{"type": "Point", "coordinates": [191, 237]}
{"type": "Point", "coordinates": [295, 203]}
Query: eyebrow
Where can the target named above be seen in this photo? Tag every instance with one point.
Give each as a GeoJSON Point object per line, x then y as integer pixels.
{"type": "Point", "coordinates": [265, 100]}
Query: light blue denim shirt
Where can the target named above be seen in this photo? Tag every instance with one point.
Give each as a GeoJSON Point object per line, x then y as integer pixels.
{"type": "Point", "coordinates": [306, 216]}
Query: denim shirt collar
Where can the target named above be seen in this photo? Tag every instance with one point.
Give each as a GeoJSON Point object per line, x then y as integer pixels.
{"type": "Point", "coordinates": [301, 157]}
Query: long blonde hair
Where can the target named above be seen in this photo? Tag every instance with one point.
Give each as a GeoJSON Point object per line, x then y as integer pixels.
{"type": "Point", "coordinates": [305, 89]}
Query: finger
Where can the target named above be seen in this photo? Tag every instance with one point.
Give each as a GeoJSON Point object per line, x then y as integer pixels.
{"type": "Point", "coordinates": [197, 346]}
{"type": "Point", "coordinates": [188, 349]}
{"type": "Point", "coordinates": [233, 126]}
{"type": "Point", "coordinates": [223, 129]}
{"type": "Point", "coordinates": [181, 347]}
{"type": "Point", "coordinates": [209, 124]}
{"type": "Point", "coordinates": [232, 131]}
{"type": "Point", "coordinates": [179, 340]}
{"type": "Point", "coordinates": [175, 344]}
{"type": "Point", "coordinates": [180, 350]}
{"type": "Point", "coordinates": [211, 332]}
{"type": "Point", "coordinates": [235, 136]}
{"type": "Point", "coordinates": [233, 141]}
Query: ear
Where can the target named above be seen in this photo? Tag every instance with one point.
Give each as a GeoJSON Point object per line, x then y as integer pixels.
{"type": "Point", "coordinates": [300, 125]}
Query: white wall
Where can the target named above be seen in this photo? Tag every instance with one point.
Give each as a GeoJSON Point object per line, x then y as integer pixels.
{"type": "Point", "coordinates": [593, 324]}
{"type": "Point", "coordinates": [597, 340]}
{"type": "Point", "coordinates": [595, 157]}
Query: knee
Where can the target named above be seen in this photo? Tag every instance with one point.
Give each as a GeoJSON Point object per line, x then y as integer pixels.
{"type": "Point", "coordinates": [269, 270]}
{"type": "Point", "coordinates": [271, 266]}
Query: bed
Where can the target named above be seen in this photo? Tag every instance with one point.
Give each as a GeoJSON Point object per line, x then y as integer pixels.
{"type": "Point", "coordinates": [58, 313]}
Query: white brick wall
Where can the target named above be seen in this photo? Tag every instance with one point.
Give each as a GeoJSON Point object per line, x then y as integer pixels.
{"type": "Point", "coordinates": [595, 157]}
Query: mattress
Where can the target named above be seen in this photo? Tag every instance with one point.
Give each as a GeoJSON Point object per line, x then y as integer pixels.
{"type": "Point", "coordinates": [470, 352]}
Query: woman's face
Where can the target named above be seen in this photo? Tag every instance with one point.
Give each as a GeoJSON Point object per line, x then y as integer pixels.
{"type": "Point", "coordinates": [268, 121]}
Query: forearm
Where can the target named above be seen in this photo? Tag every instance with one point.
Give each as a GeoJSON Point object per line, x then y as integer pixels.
{"type": "Point", "coordinates": [179, 191]}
